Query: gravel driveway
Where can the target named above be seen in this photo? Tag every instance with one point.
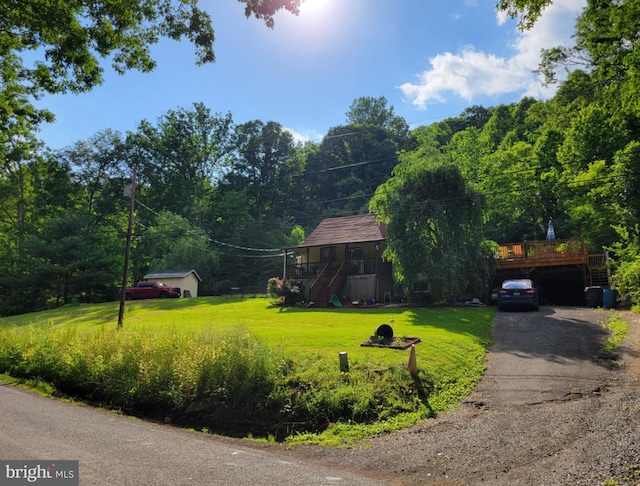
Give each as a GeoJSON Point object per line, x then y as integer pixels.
{"type": "Point", "coordinates": [547, 412]}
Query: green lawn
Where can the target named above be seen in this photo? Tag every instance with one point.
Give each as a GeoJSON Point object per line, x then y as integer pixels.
{"type": "Point", "coordinates": [167, 333]}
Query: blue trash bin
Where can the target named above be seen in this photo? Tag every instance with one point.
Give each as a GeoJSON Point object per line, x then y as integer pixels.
{"type": "Point", "coordinates": [609, 298]}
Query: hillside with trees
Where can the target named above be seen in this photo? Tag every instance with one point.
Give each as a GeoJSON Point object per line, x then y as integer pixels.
{"type": "Point", "coordinates": [224, 196]}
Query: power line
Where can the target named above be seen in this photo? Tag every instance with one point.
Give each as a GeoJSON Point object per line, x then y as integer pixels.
{"type": "Point", "coordinates": [502, 192]}
{"type": "Point", "coordinates": [230, 245]}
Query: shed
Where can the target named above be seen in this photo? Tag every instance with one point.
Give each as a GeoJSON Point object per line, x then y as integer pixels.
{"type": "Point", "coordinates": [187, 280]}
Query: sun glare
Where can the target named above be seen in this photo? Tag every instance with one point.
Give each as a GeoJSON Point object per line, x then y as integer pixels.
{"type": "Point", "coordinates": [318, 29]}
{"type": "Point", "coordinates": [310, 7]}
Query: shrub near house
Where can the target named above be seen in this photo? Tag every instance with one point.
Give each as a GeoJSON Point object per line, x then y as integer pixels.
{"type": "Point", "coordinates": [285, 291]}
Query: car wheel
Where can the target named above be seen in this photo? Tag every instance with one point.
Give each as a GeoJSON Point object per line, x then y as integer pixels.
{"type": "Point", "coordinates": [128, 296]}
{"type": "Point", "coordinates": [163, 295]}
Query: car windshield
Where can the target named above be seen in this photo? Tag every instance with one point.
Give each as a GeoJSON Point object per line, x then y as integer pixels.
{"type": "Point", "coordinates": [517, 284]}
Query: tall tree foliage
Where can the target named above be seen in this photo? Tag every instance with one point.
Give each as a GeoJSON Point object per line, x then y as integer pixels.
{"type": "Point", "coordinates": [180, 157]}
{"type": "Point", "coordinates": [352, 160]}
{"type": "Point", "coordinates": [264, 166]}
{"type": "Point", "coordinates": [434, 230]}
{"type": "Point", "coordinates": [376, 112]}
{"type": "Point", "coordinates": [69, 39]}
{"type": "Point", "coordinates": [56, 248]}
{"type": "Point", "coordinates": [527, 11]}
{"type": "Point", "coordinates": [263, 184]}
{"type": "Point", "coordinates": [171, 242]}
{"type": "Point", "coordinates": [72, 257]}
{"type": "Point", "coordinates": [99, 166]}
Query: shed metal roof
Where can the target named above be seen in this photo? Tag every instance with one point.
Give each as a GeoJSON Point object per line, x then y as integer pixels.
{"type": "Point", "coordinates": [348, 229]}
{"type": "Point", "coordinates": [172, 274]}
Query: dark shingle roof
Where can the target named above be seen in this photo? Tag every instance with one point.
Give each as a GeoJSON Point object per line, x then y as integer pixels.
{"type": "Point", "coordinates": [349, 229]}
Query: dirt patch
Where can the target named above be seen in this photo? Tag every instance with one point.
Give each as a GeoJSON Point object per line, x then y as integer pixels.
{"type": "Point", "coordinates": [586, 436]}
{"type": "Point", "coordinates": [393, 343]}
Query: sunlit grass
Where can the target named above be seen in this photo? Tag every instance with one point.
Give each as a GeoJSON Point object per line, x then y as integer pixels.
{"type": "Point", "coordinates": [618, 329]}
{"type": "Point", "coordinates": [217, 353]}
{"type": "Point", "coordinates": [446, 333]}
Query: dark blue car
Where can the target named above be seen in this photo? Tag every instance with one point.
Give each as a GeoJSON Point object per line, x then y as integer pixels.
{"type": "Point", "coordinates": [518, 293]}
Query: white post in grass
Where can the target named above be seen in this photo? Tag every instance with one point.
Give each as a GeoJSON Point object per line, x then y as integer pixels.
{"type": "Point", "coordinates": [344, 361]}
{"type": "Point", "coordinates": [412, 365]}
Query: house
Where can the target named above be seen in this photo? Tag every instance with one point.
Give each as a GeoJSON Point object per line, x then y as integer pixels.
{"type": "Point", "coordinates": [342, 256]}
{"type": "Point", "coordinates": [187, 280]}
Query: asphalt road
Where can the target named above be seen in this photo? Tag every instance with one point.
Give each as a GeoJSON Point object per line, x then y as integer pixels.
{"type": "Point", "coordinates": [117, 450]}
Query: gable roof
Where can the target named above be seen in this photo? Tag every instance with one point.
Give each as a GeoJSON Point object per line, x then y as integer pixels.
{"type": "Point", "coordinates": [349, 229]}
{"type": "Point", "coordinates": [172, 274]}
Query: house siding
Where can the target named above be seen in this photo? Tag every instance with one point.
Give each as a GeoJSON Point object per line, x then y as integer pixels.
{"type": "Point", "coordinates": [343, 256]}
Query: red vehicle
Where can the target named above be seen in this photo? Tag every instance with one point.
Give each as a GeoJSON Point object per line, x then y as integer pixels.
{"type": "Point", "coordinates": [151, 290]}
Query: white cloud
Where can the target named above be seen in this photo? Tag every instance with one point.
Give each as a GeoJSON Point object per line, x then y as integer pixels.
{"type": "Point", "coordinates": [501, 17]}
{"type": "Point", "coordinates": [471, 73]}
{"type": "Point", "coordinates": [302, 138]}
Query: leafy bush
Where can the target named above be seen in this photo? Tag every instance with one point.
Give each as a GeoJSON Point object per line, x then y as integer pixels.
{"type": "Point", "coordinates": [281, 291]}
{"type": "Point", "coordinates": [627, 274]}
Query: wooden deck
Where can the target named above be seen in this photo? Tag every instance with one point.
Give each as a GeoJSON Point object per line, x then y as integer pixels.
{"type": "Point", "coordinates": [531, 254]}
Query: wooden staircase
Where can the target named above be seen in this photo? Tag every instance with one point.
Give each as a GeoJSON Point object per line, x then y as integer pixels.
{"type": "Point", "coordinates": [599, 274]}
{"type": "Point", "coordinates": [326, 284]}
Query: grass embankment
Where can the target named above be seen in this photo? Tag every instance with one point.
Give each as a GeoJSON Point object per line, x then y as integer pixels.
{"type": "Point", "coordinates": [618, 330]}
{"type": "Point", "coordinates": [242, 367]}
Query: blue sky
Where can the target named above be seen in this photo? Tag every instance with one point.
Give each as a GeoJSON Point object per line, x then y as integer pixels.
{"type": "Point", "coordinates": [429, 58]}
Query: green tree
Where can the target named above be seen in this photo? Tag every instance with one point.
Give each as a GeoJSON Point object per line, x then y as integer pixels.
{"type": "Point", "coordinates": [498, 126]}
{"type": "Point", "coordinates": [70, 38]}
{"type": "Point", "coordinates": [587, 158]}
{"type": "Point", "coordinates": [173, 243]}
{"type": "Point", "coordinates": [100, 168]}
{"type": "Point", "coordinates": [434, 227]}
{"type": "Point", "coordinates": [180, 158]}
{"type": "Point", "coordinates": [352, 160]}
{"type": "Point", "coordinates": [474, 116]}
{"type": "Point", "coordinates": [467, 152]}
{"type": "Point", "coordinates": [74, 259]}
{"type": "Point", "coordinates": [68, 41]}
{"type": "Point", "coordinates": [626, 276]}
{"type": "Point", "coordinates": [375, 112]}
{"type": "Point", "coordinates": [257, 199]}
{"type": "Point", "coordinates": [528, 11]}
{"type": "Point", "coordinates": [264, 167]}
{"type": "Point", "coordinates": [234, 229]}
{"type": "Point", "coordinates": [626, 174]}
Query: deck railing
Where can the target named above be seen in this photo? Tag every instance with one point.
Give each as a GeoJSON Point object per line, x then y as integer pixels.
{"type": "Point", "coordinates": [366, 266]}
{"type": "Point", "coordinates": [597, 261]}
{"type": "Point", "coordinates": [537, 252]}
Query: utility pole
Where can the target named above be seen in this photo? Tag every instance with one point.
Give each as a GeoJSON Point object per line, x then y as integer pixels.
{"type": "Point", "coordinates": [284, 266]}
{"type": "Point", "coordinates": [125, 273]}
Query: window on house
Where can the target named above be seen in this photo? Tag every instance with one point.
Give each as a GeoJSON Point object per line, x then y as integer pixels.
{"type": "Point", "coordinates": [328, 254]}
{"type": "Point", "coordinates": [355, 261]}
{"type": "Point", "coordinates": [354, 254]}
